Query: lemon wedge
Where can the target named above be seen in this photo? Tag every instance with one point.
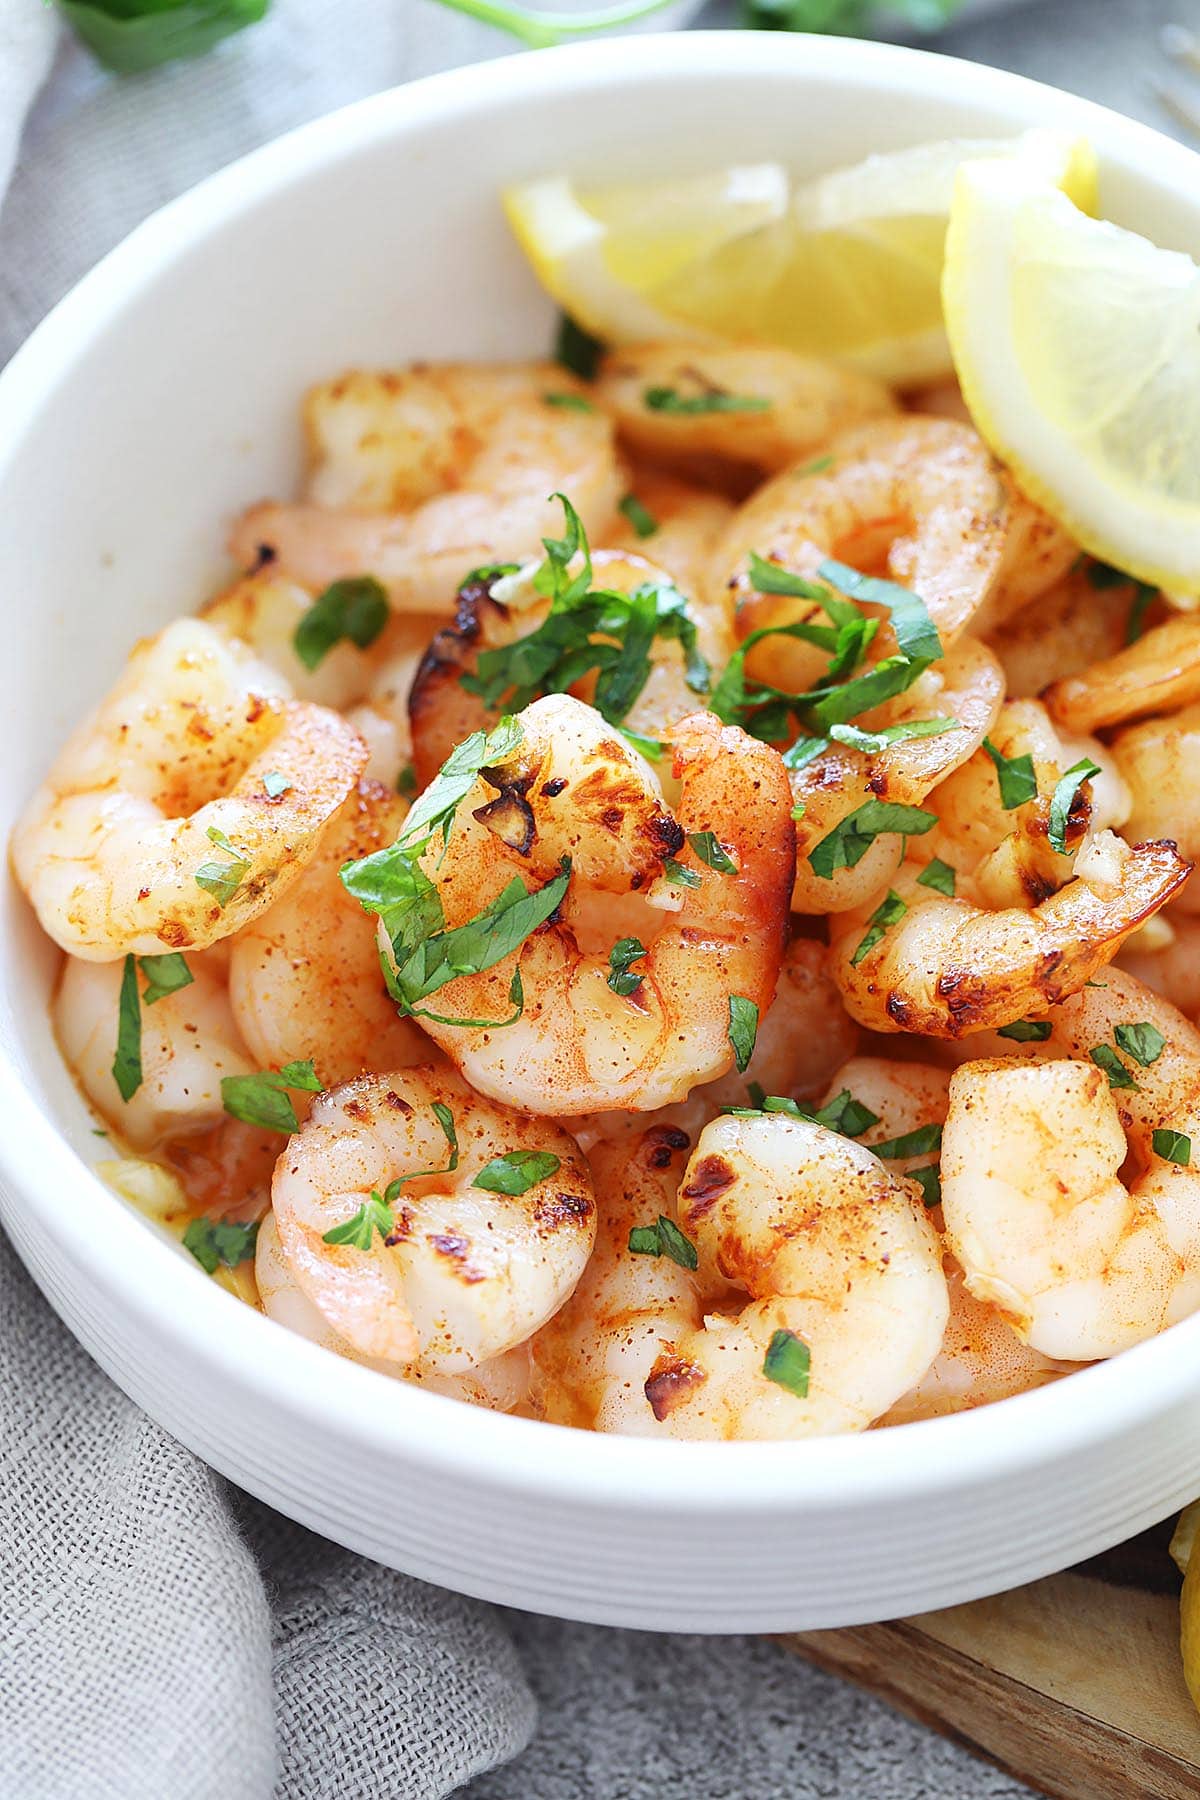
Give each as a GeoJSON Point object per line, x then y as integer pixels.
{"type": "Point", "coordinates": [1078, 348]}
{"type": "Point", "coordinates": [1182, 1547]}
{"type": "Point", "coordinates": [847, 266]}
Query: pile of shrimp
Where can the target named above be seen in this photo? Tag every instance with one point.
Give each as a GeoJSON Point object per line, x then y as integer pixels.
{"type": "Point", "coordinates": [657, 901]}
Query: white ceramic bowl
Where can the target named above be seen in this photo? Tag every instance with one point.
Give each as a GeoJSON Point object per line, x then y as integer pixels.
{"type": "Point", "coordinates": [159, 398]}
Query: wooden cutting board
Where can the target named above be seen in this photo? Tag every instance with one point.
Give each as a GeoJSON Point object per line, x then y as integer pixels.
{"type": "Point", "coordinates": [1074, 1683]}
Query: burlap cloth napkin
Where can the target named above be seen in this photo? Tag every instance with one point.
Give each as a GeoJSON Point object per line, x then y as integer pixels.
{"type": "Point", "coordinates": [163, 1637]}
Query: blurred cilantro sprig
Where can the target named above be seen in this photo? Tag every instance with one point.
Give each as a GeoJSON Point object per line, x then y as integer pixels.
{"type": "Point", "coordinates": [537, 28]}
{"type": "Point", "coordinates": [132, 35]}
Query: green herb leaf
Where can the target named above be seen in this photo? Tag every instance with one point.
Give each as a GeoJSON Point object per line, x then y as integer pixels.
{"type": "Point", "coordinates": [743, 1029]}
{"type": "Point", "coordinates": [262, 1099]}
{"type": "Point", "coordinates": [517, 1172]}
{"type": "Point", "coordinates": [1106, 1058]}
{"type": "Point", "coordinates": [939, 876]}
{"type": "Point", "coordinates": [222, 880]}
{"type": "Point", "coordinates": [406, 781]}
{"type": "Point", "coordinates": [480, 943]}
{"type": "Point", "coordinates": [848, 842]}
{"type": "Point", "coordinates": [215, 1241]}
{"type": "Point", "coordinates": [275, 785]}
{"type": "Point", "coordinates": [706, 847]}
{"type": "Point", "coordinates": [772, 578]}
{"type": "Point", "coordinates": [639, 516]}
{"type": "Point", "coordinates": [1144, 1042]}
{"type": "Point", "coordinates": [664, 1239]}
{"type": "Point", "coordinates": [570, 402]}
{"type": "Point", "coordinates": [818, 466]}
{"type": "Point", "coordinates": [435, 809]}
{"type": "Point", "coordinates": [374, 1215]}
{"type": "Point", "coordinates": [1026, 1031]}
{"type": "Point", "coordinates": [872, 742]}
{"type": "Point", "coordinates": [1016, 776]}
{"type": "Point", "coordinates": [127, 1063]}
{"type": "Point", "coordinates": [130, 36]}
{"type": "Point", "coordinates": [165, 975]}
{"type": "Point", "coordinates": [889, 912]}
{"type": "Point", "coordinates": [678, 876]}
{"type": "Point", "coordinates": [844, 1114]}
{"type": "Point", "coordinates": [576, 349]}
{"type": "Point", "coordinates": [912, 1143]}
{"type": "Point", "coordinates": [1063, 800]}
{"type": "Point", "coordinates": [1143, 600]}
{"type": "Point", "coordinates": [355, 610]}
{"type": "Point", "coordinates": [929, 1180]}
{"type": "Point", "coordinates": [625, 952]}
{"type": "Point", "coordinates": [712, 400]}
{"type": "Point", "coordinates": [1172, 1146]}
{"type": "Point", "coordinates": [788, 1363]}
{"type": "Point", "coordinates": [916, 633]}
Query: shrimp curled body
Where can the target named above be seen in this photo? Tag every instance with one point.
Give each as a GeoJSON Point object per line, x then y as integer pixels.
{"type": "Point", "coordinates": [464, 1274]}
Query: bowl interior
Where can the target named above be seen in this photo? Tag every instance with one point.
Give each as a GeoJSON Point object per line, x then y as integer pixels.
{"type": "Point", "coordinates": [162, 396]}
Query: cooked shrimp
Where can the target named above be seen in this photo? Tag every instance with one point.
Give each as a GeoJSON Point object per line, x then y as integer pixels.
{"type": "Point", "coordinates": [1159, 673]}
{"type": "Point", "coordinates": [189, 1041]}
{"type": "Point", "coordinates": [1038, 553]}
{"type": "Point", "coordinates": [678, 526]}
{"type": "Point", "coordinates": [1081, 1263]}
{"type": "Point", "coordinates": [443, 712]}
{"type": "Point", "coordinates": [421, 476]}
{"type": "Point", "coordinates": [463, 1274]}
{"type": "Point", "coordinates": [904, 1096]}
{"type": "Point", "coordinates": [966, 688]}
{"type": "Point", "coordinates": [1073, 625]}
{"type": "Point", "coordinates": [304, 978]}
{"type": "Point", "coordinates": [583, 792]}
{"type": "Point", "coordinates": [749, 408]}
{"type": "Point", "coordinates": [920, 500]}
{"type": "Point", "coordinates": [1172, 968]}
{"type": "Point", "coordinates": [1007, 849]}
{"type": "Point", "coordinates": [981, 1360]}
{"type": "Point", "coordinates": [593, 1357]}
{"type": "Point", "coordinates": [1157, 759]}
{"type": "Point", "coordinates": [168, 782]}
{"type": "Point", "coordinates": [946, 967]}
{"type": "Point", "coordinates": [805, 1035]}
{"type": "Point", "coordinates": [500, 1384]}
{"type": "Point", "coordinates": [831, 1249]}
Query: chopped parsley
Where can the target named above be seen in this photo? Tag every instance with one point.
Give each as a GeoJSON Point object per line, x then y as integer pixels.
{"type": "Point", "coordinates": [1063, 800]}
{"type": "Point", "coordinates": [872, 742]}
{"type": "Point", "coordinates": [664, 1239]}
{"type": "Point", "coordinates": [517, 1172]}
{"type": "Point", "coordinates": [406, 781]}
{"type": "Point", "coordinates": [576, 349]}
{"type": "Point", "coordinates": [376, 1214]}
{"type": "Point", "coordinates": [354, 610]}
{"type": "Point", "coordinates": [848, 842]}
{"type": "Point", "coordinates": [788, 1363]}
{"type": "Point", "coordinates": [710, 852]}
{"type": "Point", "coordinates": [710, 400]}
{"type": "Point", "coordinates": [639, 516]}
{"type": "Point", "coordinates": [843, 1114]}
{"type": "Point", "coordinates": [1172, 1146]}
{"type": "Point", "coordinates": [222, 880]}
{"type": "Point", "coordinates": [939, 876]}
{"type": "Point", "coordinates": [263, 1099]}
{"type": "Point", "coordinates": [624, 953]}
{"type": "Point", "coordinates": [216, 1241]}
{"type": "Point", "coordinates": [165, 975]}
{"type": "Point", "coordinates": [929, 1179]}
{"type": "Point", "coordinates": [127, 1063]}
{"type": "Point", "coordinates": [913, 1143]}
{"type": "Point", "coordinates": [1015, 775]}
{"type": "Point", "coordinates": [1026, 1031]}
{"type": "Point", "coordinates": [1106, 1058]}
{"type": "Point", "coordinates": [679, 876]}
{"type": "Point", "coordinates": [570, 402]}
{"type": "Point", "coordinates": [743, 1030]}
{"type": "Point", "coordinates": [1144, 1042]}
{"type": "Point", "coordinates": [275, 785]}
{"type": "Point", "coordinates": [889, 912]}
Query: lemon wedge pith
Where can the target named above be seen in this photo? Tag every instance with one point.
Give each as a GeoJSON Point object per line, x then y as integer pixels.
{"type": "Point", "coordinates": [1077, 345]}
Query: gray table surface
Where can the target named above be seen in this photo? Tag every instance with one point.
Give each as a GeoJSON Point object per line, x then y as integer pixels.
{"type": "Point", "coordinates": [771, 1727]}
